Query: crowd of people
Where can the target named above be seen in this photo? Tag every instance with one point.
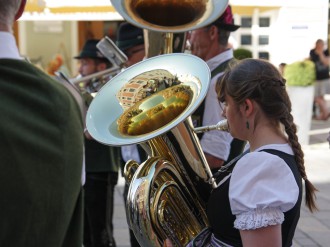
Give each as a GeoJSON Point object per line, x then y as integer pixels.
{"type": "Point", "coordinates": [58, 182]}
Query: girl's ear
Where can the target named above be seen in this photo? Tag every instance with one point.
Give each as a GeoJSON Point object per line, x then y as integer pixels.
{"type": "Point", "coordinates": [247, 107]}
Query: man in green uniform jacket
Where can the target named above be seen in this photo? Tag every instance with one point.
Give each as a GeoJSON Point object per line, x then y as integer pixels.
{"type": "Point", "coordinates": [41, 150]}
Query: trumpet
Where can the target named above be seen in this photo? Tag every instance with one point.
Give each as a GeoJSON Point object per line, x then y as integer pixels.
{"type": "Point", "coordinates": [101, 75]}
{"type": "Point", "coordinates": [91, 84]}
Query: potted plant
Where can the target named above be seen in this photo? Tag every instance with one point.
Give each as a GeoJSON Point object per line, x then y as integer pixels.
{"type": "Point", "coordinates": [241, 53]}
{"type": "Point", "coordinates": [300, 78]}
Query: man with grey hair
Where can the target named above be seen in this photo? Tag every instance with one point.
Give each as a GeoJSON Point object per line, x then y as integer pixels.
{"type": "Point", "coordinates": [41, 143]}
{"type": "Point", "coordinates": [210, 43]}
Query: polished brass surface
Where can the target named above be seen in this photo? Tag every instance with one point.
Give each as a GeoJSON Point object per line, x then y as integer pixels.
{"type": "Point", "coordinates": [155, 111]}
{"type": "Point", "coordinates": [130, 168]}
{"type": "Point", "coordinates": [161, 205]}
{"type": "Point", "coordinates": [164, 199]}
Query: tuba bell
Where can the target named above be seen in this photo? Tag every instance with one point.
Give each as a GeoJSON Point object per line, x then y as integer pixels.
{"type": "Point", "coordinates": [168, 17]}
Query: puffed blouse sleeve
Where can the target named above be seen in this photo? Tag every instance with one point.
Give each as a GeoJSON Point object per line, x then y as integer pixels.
{"type": "Point", "coordinates": [262, 188]}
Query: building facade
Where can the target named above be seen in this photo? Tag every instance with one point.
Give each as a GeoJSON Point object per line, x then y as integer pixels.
{"type": "Point", "coordinates": [282, 31]}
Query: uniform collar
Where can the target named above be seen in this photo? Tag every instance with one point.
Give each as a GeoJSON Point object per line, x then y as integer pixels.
{"type": "Point", "coordinates": [8, 47]}
{"type": "Point", "coordinates": [220, 58]}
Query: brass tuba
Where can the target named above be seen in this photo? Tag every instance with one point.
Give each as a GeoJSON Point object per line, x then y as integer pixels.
{"type": "Point", "coordinates": [168, 191]}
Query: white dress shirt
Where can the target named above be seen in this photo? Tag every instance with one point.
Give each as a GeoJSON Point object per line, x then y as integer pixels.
{"type": "Point", "coordinates": [216, 143]}
{"type": "Point", "coordinates": [8, 47]}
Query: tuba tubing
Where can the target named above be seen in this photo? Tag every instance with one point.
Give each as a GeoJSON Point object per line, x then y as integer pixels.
{"type": "Point", "coordinates": [164, 198]}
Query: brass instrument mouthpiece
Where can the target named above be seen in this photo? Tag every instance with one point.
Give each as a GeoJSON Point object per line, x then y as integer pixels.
{"type": "Point", "coordinates": [221, 125]}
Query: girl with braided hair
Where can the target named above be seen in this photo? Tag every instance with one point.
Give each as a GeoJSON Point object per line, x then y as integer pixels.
{"type": "Point", "coordinates": [258, 199]}
{"type": "Point", "coordinates": [257, 202]}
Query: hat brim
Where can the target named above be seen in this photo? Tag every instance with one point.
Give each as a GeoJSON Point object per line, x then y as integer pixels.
{"type": "Point", "coordinates": [227, 27]}
{"type": "Point", "coordinates": [86, 54]}
{"type": "Point", "coordinates": [126, 44]}
{"type": "Point", "coordinates": [81, 57]}
{"type": "Point", "coordinates": [99, 58]}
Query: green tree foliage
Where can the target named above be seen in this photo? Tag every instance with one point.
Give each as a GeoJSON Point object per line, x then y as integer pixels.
{"type": "Point", "coordinates": [241, 53]}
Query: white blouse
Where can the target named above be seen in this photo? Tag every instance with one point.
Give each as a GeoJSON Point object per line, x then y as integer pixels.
{"type": "Point", "coordinates": [262, 188]}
